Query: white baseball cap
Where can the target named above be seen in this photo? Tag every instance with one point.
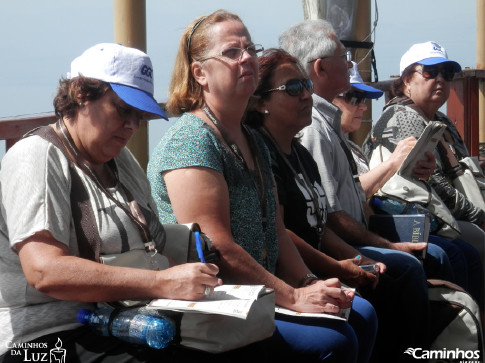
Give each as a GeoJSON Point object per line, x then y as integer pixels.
{"type": "Point", "coordinates": [357, 82]}
{"type": "Point", "coordinates": [428, 53]}
{"type": "Point", "coordinates": [129, 72]}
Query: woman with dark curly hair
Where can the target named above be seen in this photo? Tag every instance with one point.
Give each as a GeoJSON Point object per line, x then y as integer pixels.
{"type": "Point", "coordinates": [50, 252]}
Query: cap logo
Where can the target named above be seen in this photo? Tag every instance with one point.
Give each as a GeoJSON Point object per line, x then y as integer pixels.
{"type": "Point", "coordinates": [146, 71]}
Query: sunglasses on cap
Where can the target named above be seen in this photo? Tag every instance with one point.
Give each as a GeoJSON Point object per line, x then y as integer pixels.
{"type": "Point", "coordinates": [295, 87]}
{"type": "Point", "coordinates": [355, 98]}
{"type": "Point", "coordinates": [430, 72]}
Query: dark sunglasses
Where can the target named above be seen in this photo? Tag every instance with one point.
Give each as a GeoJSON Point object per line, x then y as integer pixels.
{"type": "Point", "coordinates": [295, 87]}
{"type": "Point", "coordinates": [430, 72]}
{"type": "Point", "coordinates": [353, 97]}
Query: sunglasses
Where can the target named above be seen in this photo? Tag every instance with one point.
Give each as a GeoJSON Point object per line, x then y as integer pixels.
{"type": "Point", "coordinates": [430, 72]}
{"type": "Point", "coordinates": [295, 87]}
{"type": "Point", "coordinates": [355, 98]}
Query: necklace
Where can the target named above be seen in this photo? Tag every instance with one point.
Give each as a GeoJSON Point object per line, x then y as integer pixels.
{"type": "Point", "coordinates": [260, 186]}
{"type": "Point", "coordinates": [232, 145]}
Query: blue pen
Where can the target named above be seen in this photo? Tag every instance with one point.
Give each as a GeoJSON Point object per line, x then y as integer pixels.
{"type": "Point", "coordinates": [198, 246]}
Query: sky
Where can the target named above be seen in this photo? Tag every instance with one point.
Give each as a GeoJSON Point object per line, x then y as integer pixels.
{"type": "Point", "coordinates": [41, 38]}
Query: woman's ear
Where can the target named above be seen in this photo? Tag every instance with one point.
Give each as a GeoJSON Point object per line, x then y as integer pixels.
{"type": "Point", "coordinates": [262, 107]}
{"type": "Point", "coordinates": [198, 73]}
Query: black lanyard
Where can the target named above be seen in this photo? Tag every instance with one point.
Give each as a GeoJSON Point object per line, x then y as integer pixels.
{"type": "Point", "coordinates": [260, 186]}
{"type": "Point", "coordinates": [304, 181]}
{"type": "Point", "coordinates": [350, 158]}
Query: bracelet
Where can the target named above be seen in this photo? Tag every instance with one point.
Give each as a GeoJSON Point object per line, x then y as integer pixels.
{"type": "Point", "coordinates": [304, 281]}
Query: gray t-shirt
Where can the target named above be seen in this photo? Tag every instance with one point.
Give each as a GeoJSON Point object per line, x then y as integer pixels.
{"type": "Point", "coordinates": [323, 139]}
{"type": "Point", "coordinates": [35, 186]}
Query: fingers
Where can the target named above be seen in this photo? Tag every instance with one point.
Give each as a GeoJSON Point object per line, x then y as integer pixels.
{"type": "Point", "coordinates": [382, 267]}
{"type": "Point", "coordinates": [418, 246]}
{"type": "Point", "coordinates": [431, 157]}
{"type": "Point", "coordinates": [209, 268]}
{"type": "Point", "coordinates": [333, 282]}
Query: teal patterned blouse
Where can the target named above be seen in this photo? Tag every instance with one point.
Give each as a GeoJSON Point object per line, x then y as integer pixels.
{"type": "Point", "coordinates": [192, 143]}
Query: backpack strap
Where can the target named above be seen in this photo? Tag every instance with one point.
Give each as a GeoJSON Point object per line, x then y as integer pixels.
{"type": "Point", "coordinates": [87, 234]}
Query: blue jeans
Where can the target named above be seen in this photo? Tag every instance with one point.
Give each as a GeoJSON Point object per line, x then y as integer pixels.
{"type": "Point", "coordinates": [401, 303]}
{"type": "Point", "coordinates": [437, 263]}
{"type": "Point", "coordinates": [466, 265]}
{"type": "Point", "coordinates": [313, 340]}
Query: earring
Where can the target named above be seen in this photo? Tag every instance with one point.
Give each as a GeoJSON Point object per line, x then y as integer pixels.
{"type": "Point", "coordinates": [81, 104]}
{"type": "Point", "coordinates": [266, 112]}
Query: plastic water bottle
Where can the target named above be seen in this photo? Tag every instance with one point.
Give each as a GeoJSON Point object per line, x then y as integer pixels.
{"type": "Point", "coordinates": [131, 326]}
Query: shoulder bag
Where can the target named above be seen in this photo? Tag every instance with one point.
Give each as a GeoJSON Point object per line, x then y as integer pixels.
{"type": "Point", "coordinates": [409, 190]}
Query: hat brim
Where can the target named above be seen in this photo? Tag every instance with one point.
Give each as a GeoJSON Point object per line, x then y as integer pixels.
{"type": "Point", "coordinates": [370, 92]}
{"type": "Point", "coordinates": [139, 99]}
{"type": "Point", "coordinates": [437, 60]}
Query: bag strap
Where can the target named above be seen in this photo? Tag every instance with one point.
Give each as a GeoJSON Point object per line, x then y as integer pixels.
{"type": "Point", "coordinates": [87, 234]}
{"type": "Point", "coordinates": [134, 212]}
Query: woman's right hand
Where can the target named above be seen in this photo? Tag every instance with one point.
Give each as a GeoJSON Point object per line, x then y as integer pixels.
{"type": "Point", "coordinates": [403, 148]}
{"type": "Point", "coordinates": [323, 296]}
{"type": "Point", "coordinates": [188, 281]}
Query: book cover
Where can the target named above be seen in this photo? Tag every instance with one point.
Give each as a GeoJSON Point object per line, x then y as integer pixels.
{"type": "Point", "coordinates": [426, 143]}
{"type": "Point", "coordinates": [230, 300]}
{"type": "Point", "coordinates": [401, 227]}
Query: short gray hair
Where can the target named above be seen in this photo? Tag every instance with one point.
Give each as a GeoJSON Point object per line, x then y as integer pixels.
{"type": "Point", "coordinates": [309, 40]}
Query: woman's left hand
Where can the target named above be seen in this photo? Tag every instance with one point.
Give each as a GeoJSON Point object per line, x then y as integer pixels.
{"type": "Point", "coordinates": [425, 168]}
{"type": "Point", "coordinates": [353, 275]}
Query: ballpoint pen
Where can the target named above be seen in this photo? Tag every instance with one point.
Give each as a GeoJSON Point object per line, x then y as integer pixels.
{"type": "Point", "coordinates": [198, 246]}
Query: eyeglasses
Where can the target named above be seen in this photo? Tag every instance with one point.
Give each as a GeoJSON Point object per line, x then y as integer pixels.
{"type": "Point", "coordinates": [346, 55]}
{"type": "Point", "coordinates": [235, 53]}
{"type": "Point", "coordinates": [127, 112]}
{"type": "Point", "coordinates": [431, 72]}
{"type": "Point", "coordinates": [295, 87]}
{"type": "Point", "coordinates": [355, 98]}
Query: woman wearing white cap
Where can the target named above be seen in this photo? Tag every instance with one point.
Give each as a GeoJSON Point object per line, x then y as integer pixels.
{"type": "Point", "coordinates": [423, 87]}
{"type": "Point", "coordinates": [49, 269]}
{"type": "Point", "coordinates": [353, 105]}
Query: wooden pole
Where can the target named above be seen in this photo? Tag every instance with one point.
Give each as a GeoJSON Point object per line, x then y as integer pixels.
{"type": "Point", "coordinates": [363, 59]}
{"type": "Point", "coordinates": [130, 30]}
{"type": "Point", "coordinates": [481, 65]}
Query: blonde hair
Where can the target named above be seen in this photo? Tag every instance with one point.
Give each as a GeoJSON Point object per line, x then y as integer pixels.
{"type": "Point", "coordinates": [185, 92]}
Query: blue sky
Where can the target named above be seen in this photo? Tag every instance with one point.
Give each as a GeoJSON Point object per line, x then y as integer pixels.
{"type": "Point", "coordinates": [40, 38]}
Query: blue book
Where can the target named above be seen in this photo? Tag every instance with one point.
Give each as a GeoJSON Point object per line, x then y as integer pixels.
{"type": "Point", "coordinates": [401, 227]}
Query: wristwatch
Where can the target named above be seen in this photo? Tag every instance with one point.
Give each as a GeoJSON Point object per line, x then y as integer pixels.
{"type": "Point", "coordinates": [307, 280]}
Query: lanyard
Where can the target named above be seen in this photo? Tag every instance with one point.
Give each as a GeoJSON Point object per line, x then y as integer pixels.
{"type": "Point", "coordinates": [303, 178]}
{"type": "Point", "coordinates": [260, 186]}
{"type": "Point", "coordinates": [134, 212]}
{"type": "Point", "coordinates": [350, 158]}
